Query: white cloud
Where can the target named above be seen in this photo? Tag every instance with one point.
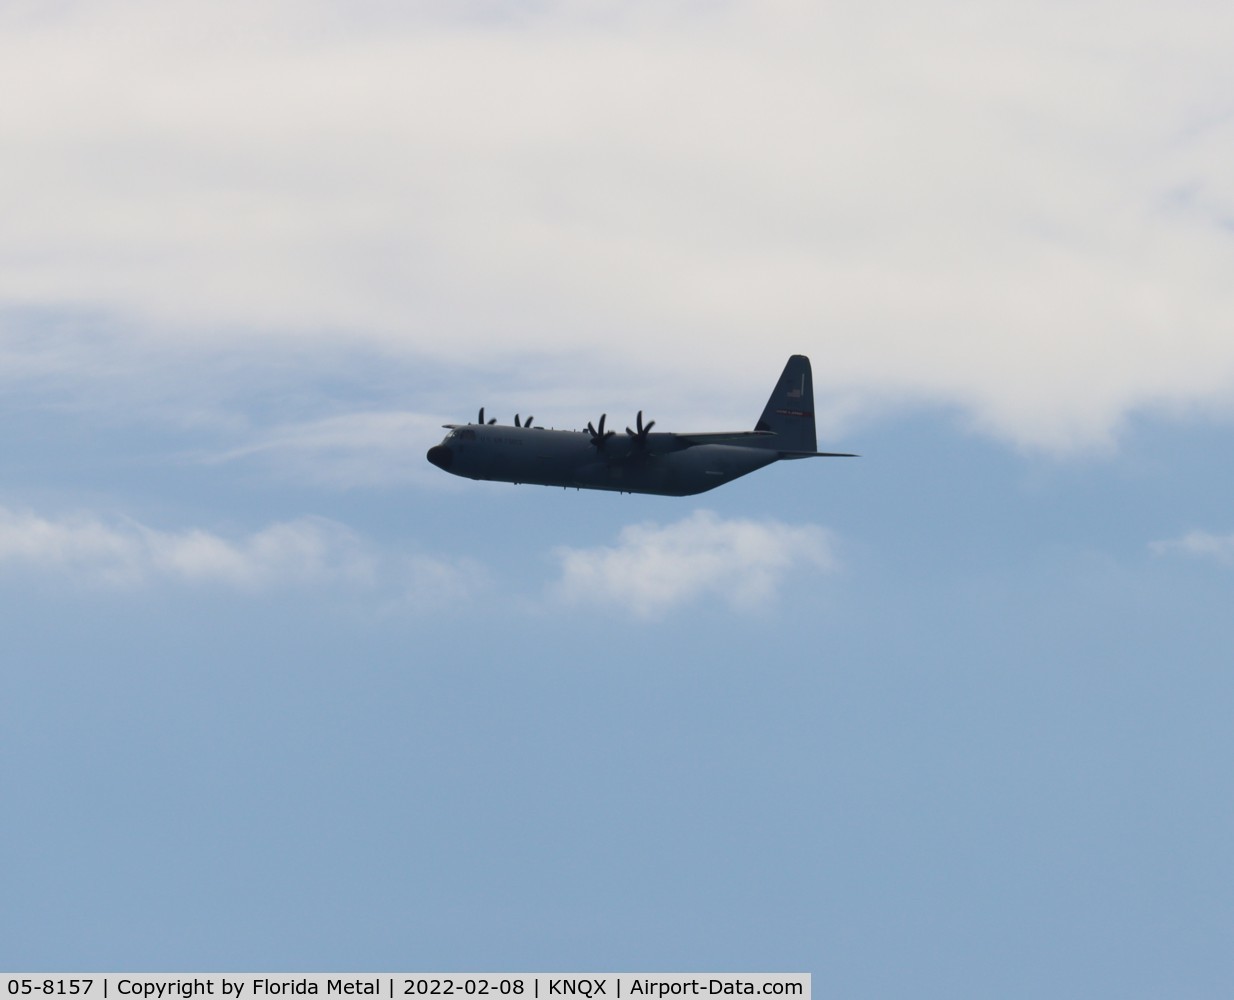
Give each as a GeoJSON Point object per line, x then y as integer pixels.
{"type": "Point", "coordinates": [1199, 544]}
{"type": "Point", "coordinates": [1025, 210]}
{"type": "Point", "coordinates": [655, 568]}
{"type": "Point", "coordinates": [306, 552]}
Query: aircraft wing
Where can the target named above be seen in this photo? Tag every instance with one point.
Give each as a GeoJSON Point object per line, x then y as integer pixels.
{"type": "Point", "coordinates": [754, 439]}
{"type": "Point", "coordinates": [722, 437]}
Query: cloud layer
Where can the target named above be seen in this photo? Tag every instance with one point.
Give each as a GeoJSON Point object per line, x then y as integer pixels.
{"type": "Point", "coordinates": [1025, 212]}
{"type": "Point", "coordinates": [653, 569]}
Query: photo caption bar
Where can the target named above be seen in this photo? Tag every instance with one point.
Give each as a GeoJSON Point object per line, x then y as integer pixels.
{"type": "Point", "coordinates": [392, 985]}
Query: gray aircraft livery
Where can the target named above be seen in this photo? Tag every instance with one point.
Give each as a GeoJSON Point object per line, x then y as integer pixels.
{"type": "Point", "coordinates": [669, 464]}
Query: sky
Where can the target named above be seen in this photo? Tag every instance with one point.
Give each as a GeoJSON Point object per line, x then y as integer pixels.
{"type": "Point", "coordinates": [950, 719]}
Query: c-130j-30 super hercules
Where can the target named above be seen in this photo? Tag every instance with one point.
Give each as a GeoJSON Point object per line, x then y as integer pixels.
{"type": "Point", "coordinates": [641, 461]}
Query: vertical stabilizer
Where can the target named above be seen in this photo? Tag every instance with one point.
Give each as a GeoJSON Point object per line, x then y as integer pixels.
{"type": "Point", "coordinates": [789, 413]}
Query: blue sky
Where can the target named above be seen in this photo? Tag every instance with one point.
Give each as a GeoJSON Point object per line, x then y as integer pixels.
{"type": "Point", "coordinates": [948, 720]}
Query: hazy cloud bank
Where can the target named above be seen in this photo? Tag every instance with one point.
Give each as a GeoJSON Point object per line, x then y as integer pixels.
{"type": "Point", "coordinates": [1023, 211]}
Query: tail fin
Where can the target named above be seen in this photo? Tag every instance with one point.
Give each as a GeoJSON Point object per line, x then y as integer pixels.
{"type": "Point", "coordinates": [789, 413]}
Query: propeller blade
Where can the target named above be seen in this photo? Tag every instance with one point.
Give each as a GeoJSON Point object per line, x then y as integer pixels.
{"type": "Point", "coordinates": [643, 429]}
{"type": "Point", "coordinates": [600, 435]}
{"type": "Point", "coordinates": [529, 420]}
{"type": "Point", "coordinates": [481, 417]}
{"type": "Point", "coordinates": [516, 423]}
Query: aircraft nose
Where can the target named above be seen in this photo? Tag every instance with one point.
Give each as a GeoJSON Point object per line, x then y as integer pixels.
{"type": "Point", "coordinates": [441, 456]}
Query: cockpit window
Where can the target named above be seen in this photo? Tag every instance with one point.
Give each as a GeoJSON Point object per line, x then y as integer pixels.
{"type": "Point", "coordinates": [462, 434]}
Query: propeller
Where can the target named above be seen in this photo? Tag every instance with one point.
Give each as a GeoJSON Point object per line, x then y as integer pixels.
{"type": "Point", "coordinates": [481, 420]}
{"type": "Point", "coordinates": [527, 423]}
{"type": "Point", "coordinates": [640, 435]}
{"type": "Point", "coordinates": [598, 437]}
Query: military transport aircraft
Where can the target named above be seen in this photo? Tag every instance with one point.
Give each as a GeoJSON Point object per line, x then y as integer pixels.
{"type": "Point", "coordinates": [641, 462]}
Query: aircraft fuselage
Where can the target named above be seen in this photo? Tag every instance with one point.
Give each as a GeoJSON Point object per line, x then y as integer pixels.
{"type": "Point", "coordinates": [570, 459]}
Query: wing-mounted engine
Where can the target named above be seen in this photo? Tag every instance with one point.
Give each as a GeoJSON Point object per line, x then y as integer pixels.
{"type": "Point", "coordinates": [642, 443]}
